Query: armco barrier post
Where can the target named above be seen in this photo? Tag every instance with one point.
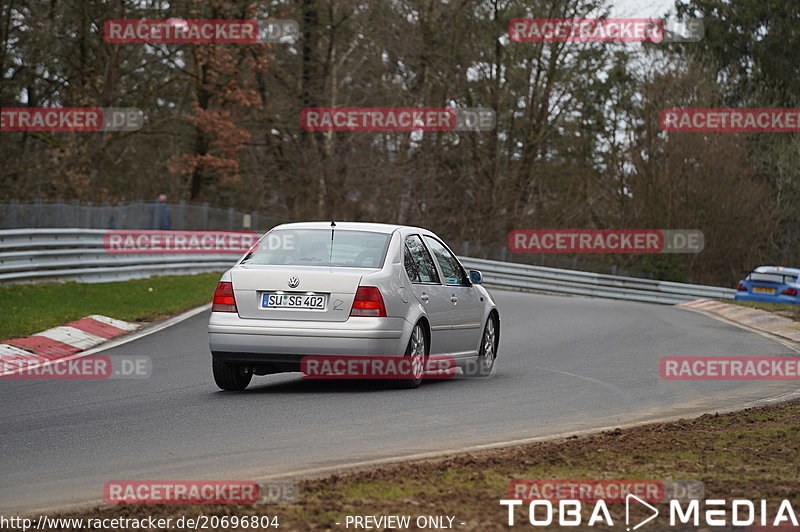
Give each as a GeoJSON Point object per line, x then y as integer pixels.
{"type": "Point", "coordinates": [106, 221]}
{"type": "Point", "coordinates": [179, 220]}
{"type": "Point", "coordinates": [74, 212]}
{"type": "Point", "coordinates": [60, 214]}
{"type": "Point", "coordinates": [13, 213]}
{"type": "Point", "coordinates": [141, 214]}
{"type": "Point", "coordinates": [204, 211]}
{"type": "Point", "coordinates": [86, 215]}
{"type": "Point", "coordinates": [37, 212]}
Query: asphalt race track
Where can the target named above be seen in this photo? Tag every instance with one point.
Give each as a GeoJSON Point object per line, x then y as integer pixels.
{"type": "Point", "coordinates": [565, 364]}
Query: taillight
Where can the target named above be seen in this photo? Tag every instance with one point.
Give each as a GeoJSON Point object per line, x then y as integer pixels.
{"type": "Point", "coordinates": [742, 288]}
{"type": "Point", "coordinates": [223, 298]}
{"type": "Point", "coordinates": [789, 292]}
{"type": "Point", "coordinates": [368, 302]}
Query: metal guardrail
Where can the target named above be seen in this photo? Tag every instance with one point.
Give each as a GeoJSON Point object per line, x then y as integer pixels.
{"type": "Point", "coordinates": [29, 255]}
{"type": "Point", "coordinates": [557, 281]}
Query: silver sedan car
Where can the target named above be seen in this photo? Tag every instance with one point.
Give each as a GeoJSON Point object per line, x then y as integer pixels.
{"type": "Point", "coordinates": [349, 289]}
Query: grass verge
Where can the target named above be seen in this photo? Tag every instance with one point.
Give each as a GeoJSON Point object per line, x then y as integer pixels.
{"type": "Point", "coordinates": [751, 454]}
{"type": "Point", "coordinates": [31, 308]}
{"type": "Point", "coordinates": [787, 311]}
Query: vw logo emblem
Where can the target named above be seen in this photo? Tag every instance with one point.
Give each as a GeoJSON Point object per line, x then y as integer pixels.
{"type": "Point", "coordinates": [293, 282]}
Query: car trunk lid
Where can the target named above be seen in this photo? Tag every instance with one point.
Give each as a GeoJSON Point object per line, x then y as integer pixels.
{"type": "Point", "coordinates": [254, 284]}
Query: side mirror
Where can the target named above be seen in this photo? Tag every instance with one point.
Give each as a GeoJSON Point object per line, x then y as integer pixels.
{"type": "Point", "coordinates": [475, 277]}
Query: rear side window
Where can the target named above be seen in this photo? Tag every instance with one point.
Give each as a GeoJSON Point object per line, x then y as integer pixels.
{"type": "Point", "coordinates": [451, 269]}
{"type": "Point", "coordinates": [315, 247]}
{"type": "Point", "coordinates": [418, 263]}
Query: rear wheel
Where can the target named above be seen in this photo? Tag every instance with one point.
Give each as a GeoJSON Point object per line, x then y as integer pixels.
{"type": "Point", "coordinates": [230, 377]}
{"type": "Point", "coordinates": [417, 352]}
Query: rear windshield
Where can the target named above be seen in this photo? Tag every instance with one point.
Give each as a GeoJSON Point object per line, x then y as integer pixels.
{"type": "Point", "coordinates": [772, 278]}
{"type": "Point", "coordinates": [314, 247]}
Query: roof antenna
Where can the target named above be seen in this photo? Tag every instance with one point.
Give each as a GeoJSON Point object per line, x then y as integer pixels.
{"type": "Point", "coordinates": [333, 228]}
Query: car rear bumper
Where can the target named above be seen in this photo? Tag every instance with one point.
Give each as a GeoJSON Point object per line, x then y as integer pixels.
{"type": "Point", "coordinates": [251, 340]}
{"type": "Point", "coordinates": [766, 298]}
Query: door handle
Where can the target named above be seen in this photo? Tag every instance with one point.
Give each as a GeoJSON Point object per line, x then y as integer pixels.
{"type": "Point", "coordinates": [453, 298]}
{"type": "Point", "coordinates": [424, 297]}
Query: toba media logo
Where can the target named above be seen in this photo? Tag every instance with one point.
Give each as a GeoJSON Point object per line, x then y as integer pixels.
{"type": "Point", "coordinates": [571, 503]}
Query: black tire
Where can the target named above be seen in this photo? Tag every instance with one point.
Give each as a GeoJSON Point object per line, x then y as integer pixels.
{"type": "Point", "coordinates": [417, 349]}
{"type": "Point", "coordinates": [487, 355]}
{"type": "Point", "coordinates": [230, 377]}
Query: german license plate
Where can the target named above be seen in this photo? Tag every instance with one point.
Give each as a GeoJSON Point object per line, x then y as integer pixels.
{"type": "Point", "coordinates": [763, 290]}
{"type": "Point", "coordinates": [301, 301]}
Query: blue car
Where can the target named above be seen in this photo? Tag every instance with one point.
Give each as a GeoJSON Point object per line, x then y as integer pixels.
{"type": "Point", "coordinates": [770, 284]}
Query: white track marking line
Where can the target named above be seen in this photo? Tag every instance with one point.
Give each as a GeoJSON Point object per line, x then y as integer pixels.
{"type": "Point", "coordinates": [628, 397]}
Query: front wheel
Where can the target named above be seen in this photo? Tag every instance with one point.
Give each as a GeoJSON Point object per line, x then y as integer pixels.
{"type": "Point", "coordinates": [230, 377]}
{"type": "Point", "coordinates": [488, 352]}
{"type": "Point", "coordinates": [417, 352]}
